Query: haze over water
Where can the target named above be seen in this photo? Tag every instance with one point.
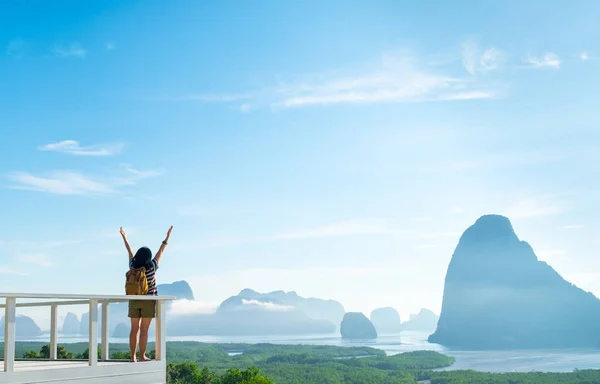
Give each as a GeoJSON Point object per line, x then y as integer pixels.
{"type": "Point", "coordinates": [564, 360]}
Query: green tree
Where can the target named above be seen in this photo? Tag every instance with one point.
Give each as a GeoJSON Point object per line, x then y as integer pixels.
{"type": "Point", "coordinates": [249, 376]}
{"type": "Point", "coordinates": [61, 353]}
{"type": "Point", "coordinates": [86, 354]}
{"type": "Point", "coordinates": [31, 355]}
{"type": "Point", "coordinates": [184, 373]}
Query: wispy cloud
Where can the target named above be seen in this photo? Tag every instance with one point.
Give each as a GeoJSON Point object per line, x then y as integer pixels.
{"type": "Point", "coordinates": [73, 147]}
{"type": "Point", "coordinates": [206, 98]}
{"type": "Point", "coordinates": [345, 228]}
{"type": "Point", "coordinates": [11, 271]}
{"type": "Point", "coordinates": [546, 205]}
{"type": "Point", "coordinates": [60, 182]}
{"type": "Point", "coordinates": [68, 182]}
{"type": "Point", "coordinates": [439, 235]}
{"type": "Point", "coordinates": [72, 50]}
{"type": "Point", "coordinates": [396, 79]}
{"type": "Point", "coordinates": [586, 56]}
{"type": "Point", "coordinates": [37, 259]}
{"type": "Point", "coordinates": [551, 255]}
{"type": "Point", "coordinates": [548, 60]}
{"type": "Point", "coordinates": [189, 307]}
{"type": "Point", "coordinates": [267, 306]}
{"type": "Point", "coordinates": [35, 245]}
{"type": "Point", "coordinates": [16, 48]}
{"type": "Point", "coordinates": [478, 60]}
{"type": "Point", "coordinates": [496, 160]}
{"type": "Point", "coordinates": [576, 226]}
{"type": "Point", "coordinates": [110, 46]}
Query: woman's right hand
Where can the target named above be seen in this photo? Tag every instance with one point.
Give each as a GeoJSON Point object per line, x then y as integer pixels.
{"type": "Point", "coordinates": [122, 231]}
{"type": "Point", "coordinates": [169, 233]}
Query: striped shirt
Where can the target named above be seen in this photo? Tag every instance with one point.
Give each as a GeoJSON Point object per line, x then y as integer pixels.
{"type": "Point", "coordinates": [150, 276]}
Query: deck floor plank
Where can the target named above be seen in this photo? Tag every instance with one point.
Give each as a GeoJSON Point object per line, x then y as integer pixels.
{"type": "Point", "coordinates": [33, 365]}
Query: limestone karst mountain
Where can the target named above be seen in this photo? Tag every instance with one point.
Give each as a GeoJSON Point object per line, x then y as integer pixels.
{"type": "Point", "coordinates": [425, 321]}
{"type": "Point", "coordinates": [24, 327]}
{"type": "Point", "coordinates": [386, 320]}
{"type": "Point", "coordinates": [71, 324]}
{"type": "Point", "coordinates": [253, 313]}
{"type": "Point", "coordinates": [497, 294]}
{"type": "Point", "coordinates": [356, 326]}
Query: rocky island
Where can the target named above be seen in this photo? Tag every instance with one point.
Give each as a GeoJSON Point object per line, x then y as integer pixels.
{"type": "Point", "coordinates": [498, 295]}
{"type": "Point", "coordinates": [355, 325]}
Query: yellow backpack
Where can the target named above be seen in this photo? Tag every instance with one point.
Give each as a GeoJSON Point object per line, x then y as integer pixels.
{"type": "Point", "coordinates": [136, 282]}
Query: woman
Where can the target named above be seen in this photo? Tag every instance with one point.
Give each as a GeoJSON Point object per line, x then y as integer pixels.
{"type": "Point", "coordinates": [141, 312]}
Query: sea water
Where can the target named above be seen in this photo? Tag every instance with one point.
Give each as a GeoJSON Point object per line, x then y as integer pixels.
{"type": "Point", "coordinates": [562, 360]}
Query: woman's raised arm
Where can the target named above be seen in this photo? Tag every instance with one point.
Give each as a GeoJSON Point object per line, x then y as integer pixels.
{"type": "Point", "coordinates": [126, 243]}
{"type": "Point", "coordinates": [163, 245]}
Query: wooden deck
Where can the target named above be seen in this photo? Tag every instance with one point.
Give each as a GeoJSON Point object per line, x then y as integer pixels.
{"type": "Point", "coordinates": [40, 365]}
{"type": "Point", "coordinates": [79, 371]}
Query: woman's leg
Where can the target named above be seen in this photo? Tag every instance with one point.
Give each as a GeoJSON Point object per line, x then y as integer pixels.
{"type": "Point", "coordinates": [133, 337]}
{"type": "Point", "coordinates": [144, 337]}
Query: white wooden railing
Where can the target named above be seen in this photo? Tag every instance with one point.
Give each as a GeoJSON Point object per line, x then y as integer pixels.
{"type": "Point", "coordinates": [92, 301]}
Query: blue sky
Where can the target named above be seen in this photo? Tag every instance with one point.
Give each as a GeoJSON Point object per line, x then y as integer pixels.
{"type": "Point", "coordinates": [335, 148]}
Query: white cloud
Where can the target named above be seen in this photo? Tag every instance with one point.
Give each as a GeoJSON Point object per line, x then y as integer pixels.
{"type": "Point", "coordinates": [496, 160]}
{"type": "Point", "coordinates": [110, 46]}
{"type": "Point", "coordinates": [396, 79]}
{"type": "Point", "coordinates": [548, 60]}
{"type": "Point", "coordinates": [439, 235]}
{"type": "Point", "coordinates": [207, 98]}
{"type": "Point", "coordinates": [268, 306]}
{"type": "Point", "coordinates": [550, 255]}
{"type": "Point", "coordinates": [67, 182]}
{"type": "Point", "coordinates": [41, 260]}
{"type": "Point", "coordinates": [73, 147]}
{"type": "Point", "coordinates": [536, 207]}
{"type": "Point", "coordinates": [345, 228]}
{"type": "Point", "coordinates": [35, 245]}
{"type": "Point", "coordinates": [188, 307]}
{"type": "Point", "coordinates": [575, 226]}
{"type": "Point", "coordinates": [10, 271]}
{"type": "Point", "coordinates": [245, 107]}
{"type": "Point", "coordinates": [60, 182]}
{"type": "Point", "coordinates": [71, 50]}
{"type": "Point", "coordinates": [131, 176]}
{"type": "Point", "coordinates": [478, 60]}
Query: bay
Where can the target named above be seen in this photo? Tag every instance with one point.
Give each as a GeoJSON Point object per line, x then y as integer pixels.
{"type": "Point", "coordinates": [561, 360]}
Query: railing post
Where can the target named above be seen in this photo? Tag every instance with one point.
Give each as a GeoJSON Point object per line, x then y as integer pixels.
{"type": "Point", "coordinates": [9, 334]}
{"type": "Point", "coordinates": [53, 331]}
{"type": "Point", "coordinates": [93, 345]}
{"type": "Point", "coordinates": [161, 330]}
{"type": "Point", "coordinates": [105, 330]}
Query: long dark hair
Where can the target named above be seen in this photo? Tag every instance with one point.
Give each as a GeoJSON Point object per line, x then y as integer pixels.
{"type": "Point", "coordinates": [142, 258]}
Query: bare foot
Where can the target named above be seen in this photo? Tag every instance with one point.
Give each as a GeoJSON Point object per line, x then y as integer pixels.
{"type": "Point", "coordinates": [133, 360]}
{"type": "Point", "coordinates": [145, 358]}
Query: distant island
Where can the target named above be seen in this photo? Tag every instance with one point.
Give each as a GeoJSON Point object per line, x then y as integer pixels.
{"type": "Point", "coordinates": [245, 314]}
{"type": "Point", "coordinates": [386, 320]}
{"type": "Point", "coordinates": [254, 313]}
{"type": "Point", "coordinates": [424, 321]}
{"type": "Point", "coordinates": [498, 295]}
{"type": "Point", "coordinates": [24, 327]}
{"type": "Point", "coordinates": [356, 326]}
